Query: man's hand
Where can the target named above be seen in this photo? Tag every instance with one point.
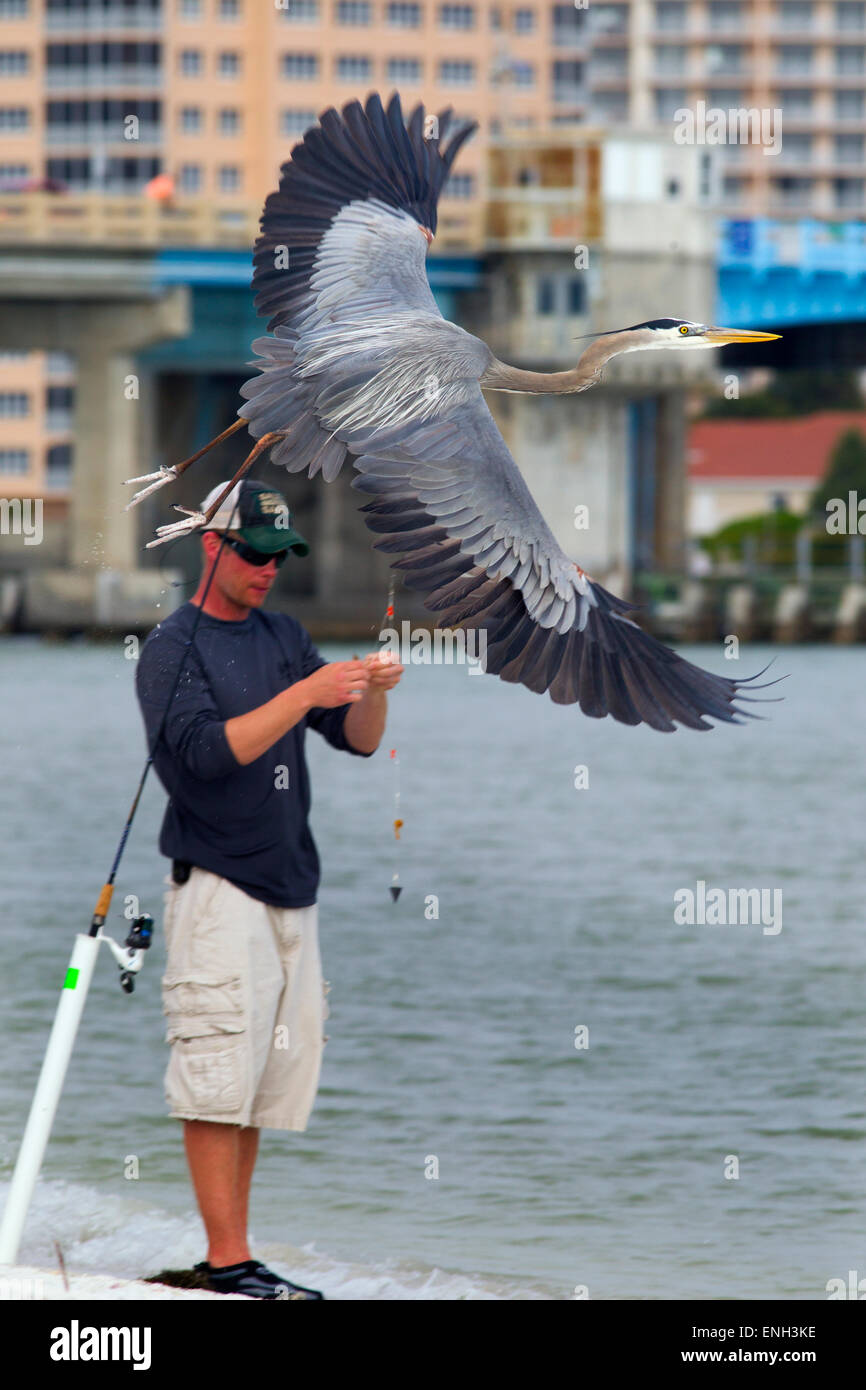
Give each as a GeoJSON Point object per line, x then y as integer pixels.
{"type": "Point", "coordinates": [338, 683]}
{"type": "Point", "coordinates": [384, 670]}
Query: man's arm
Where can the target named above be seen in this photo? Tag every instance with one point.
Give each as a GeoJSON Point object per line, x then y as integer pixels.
{"type": "Point", "coordinates": [364, 723]}
{"type": "Point", "coordinates": [338, 683]}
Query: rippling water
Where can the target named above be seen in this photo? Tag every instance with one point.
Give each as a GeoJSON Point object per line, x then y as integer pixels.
{"type": "Point", "coordinates": [454, 1037]}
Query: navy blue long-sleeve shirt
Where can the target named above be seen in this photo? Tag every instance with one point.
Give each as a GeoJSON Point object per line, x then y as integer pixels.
{"type": "Point", "coordinates": [247, 823]}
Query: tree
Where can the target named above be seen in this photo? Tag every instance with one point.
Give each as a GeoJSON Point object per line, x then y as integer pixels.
{"type": "Point", "coordinates": [846, 472]}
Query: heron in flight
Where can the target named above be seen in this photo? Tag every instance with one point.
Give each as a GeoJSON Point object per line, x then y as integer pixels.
{"type": "Point", "coordinates": [360, 362]}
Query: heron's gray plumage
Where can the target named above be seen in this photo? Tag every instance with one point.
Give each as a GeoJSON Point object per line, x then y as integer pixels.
{"type": "Point", "coordinates": [361, 363]}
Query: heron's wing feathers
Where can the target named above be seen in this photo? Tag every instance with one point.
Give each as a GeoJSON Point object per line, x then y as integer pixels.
{"type": "Point", "coordinates": [341, 244]}
{"type": "Point", "coordinates": [452, 501]}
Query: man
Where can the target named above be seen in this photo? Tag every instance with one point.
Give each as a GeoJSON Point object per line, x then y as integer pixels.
{"type": "Point", "coordinates": [243, 991]}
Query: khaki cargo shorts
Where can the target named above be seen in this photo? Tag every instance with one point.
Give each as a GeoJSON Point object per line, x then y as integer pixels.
{"type": "Point", "coordinates": [245, 1005]}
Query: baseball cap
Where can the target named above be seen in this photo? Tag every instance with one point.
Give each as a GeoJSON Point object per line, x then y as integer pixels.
{"type": "Point", "coordinates": [259, 514]}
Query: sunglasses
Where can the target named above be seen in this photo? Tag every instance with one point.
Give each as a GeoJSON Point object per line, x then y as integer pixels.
{"type": "Point", "coordinates": [253, 556]}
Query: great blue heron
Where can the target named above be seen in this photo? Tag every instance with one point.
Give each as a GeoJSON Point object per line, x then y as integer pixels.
{"type": "Point", "coordinates": [361, 362]}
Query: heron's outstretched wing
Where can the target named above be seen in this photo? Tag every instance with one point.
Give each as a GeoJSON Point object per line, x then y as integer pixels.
{"type": "Point", "coordinates": [453, 502]}
{"type": "Point", "coordinates": [341, 237]}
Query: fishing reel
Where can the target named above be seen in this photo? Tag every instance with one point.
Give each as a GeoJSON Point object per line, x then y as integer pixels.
{"type": "Point", "coordinates": [130, 956]}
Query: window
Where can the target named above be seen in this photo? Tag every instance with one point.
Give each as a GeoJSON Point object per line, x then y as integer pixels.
{"type": "Point", "coordinates": [353, 12]}
{"type": "Point", "coordinates": [59, 401]}
{"type": "Point", "coordinates": [14, 118]}
{"type": "Point", "coordinates": [577, 296]}
{"type": "Point", "coordinates": [460, 186]}
{"type": "Point", "coordinates": [13, 173]}
{"type": "Point", "coordinates": [189, 178]}
{"type": "Point", "coordinates": [58, 465]}
{"type": "Point", "coordinates": [796, 102]}
{"type": "Point", "coordinates": [797, 148]}
{"type": "Point", "coordinates": [849, 149]}
{"type": "Point", "coordinates": [229, 178]}
{"type": "Point", "coordinates": [13, 9]}
{"type": "Point", "coordinates": [668, 103]}
{"type": "Point", "coordinates": [850, 61]}
{"type": "Point", "coordinates": [792, 192]}
{"type": "Point", "coordinates": [848, 106]}
{"type": "Point", "coordinates": [524, 21]}
{"type": "Point", "coordinates": [300, 66]}
{"type": "Point", "coordinates": [670, 59]}
{"type": "Point", "coordinates": [229, 121]}
{"type": "Point", "coordinates": [851, 18]}
{"type": "Point", "coordinates": [190, 62]}
{"type": "Point", "coordinates": [190, 120]}
{"type": "Point", "coordinates": [523, 74]}
{"type": "Point", "coordinates": [14, 405]}
{"type": "Point", "coordinates": [353, 68]}
{"type": "Point", "coordinates": [228, 64]}
{"type": "Point", "coordinates": [671, 15]}
{"type": "Point", "coordinates": [609, 106]}
{"type": "Point", "coordinates": [545, 295]}
{"type": "Point", "coordinates": [795, 14]}
{"type": "Point", "coordinates": [401, 16]}
{"type": "Point", "coordinates": [189, 9]}
{"type": "Point", "coordinates": [794, 58]}
{"type": "Point", "coordinates": [495, 18]}
{"type": "Point", "coordinates": [734, 188]}
{"type": "Point", "coordinates": [301, 11]}
{"type": "Point", "coordinates": [456, 74]}
{"type": "Point", "coordinates": [14, 460]}
{"type": "Point", "coordinates": [456, 17]}
{"type": "Point", "coordinates": [727, 97]}
{"type": "Point", "coordinates": [14, 62]}
{"type": "Point", "coordinates": [725, 16]}
{"type": "Point", "coordinates": [296, 122]}
{"type": "Point", "coordinates": [230, 10]}
{"type": "Point", "coordinates": [610, 62]}
{"type": "Point", "coordinates": [725, 57]}
{"type": "Point", "coordinates": [404, 70]}
{"type": "Point", "coordinates": [848, 193]}
{"type": "Point", "coordinates": [609, 19]}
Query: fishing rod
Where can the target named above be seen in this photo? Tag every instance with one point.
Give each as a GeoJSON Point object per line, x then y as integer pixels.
{"type": "Point", "coordinates": [73, 994]}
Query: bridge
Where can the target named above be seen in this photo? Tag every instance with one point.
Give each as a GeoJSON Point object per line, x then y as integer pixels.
{"type": "Point", "coordinates": [160, 295]}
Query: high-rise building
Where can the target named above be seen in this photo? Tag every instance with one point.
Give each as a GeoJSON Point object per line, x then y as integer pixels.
{"type": "Point", "coordinates": [100, 96]}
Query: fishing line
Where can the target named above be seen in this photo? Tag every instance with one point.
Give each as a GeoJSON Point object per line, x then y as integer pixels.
{"type": "Point", "coordinates": [104, 900]}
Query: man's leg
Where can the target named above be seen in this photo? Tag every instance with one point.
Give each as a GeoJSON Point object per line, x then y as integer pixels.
{"type": "Point", "coordinates": [221, 1160]}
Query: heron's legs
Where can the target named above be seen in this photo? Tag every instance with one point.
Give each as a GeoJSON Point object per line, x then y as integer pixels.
{"type": "Point", "coordinates": [197, 521]}
{"type": "Point", "coordinates": [168, 475]}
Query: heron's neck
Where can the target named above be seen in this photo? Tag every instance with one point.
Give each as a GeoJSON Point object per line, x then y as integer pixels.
{"type": "Point", "coordinates": [502, 377]}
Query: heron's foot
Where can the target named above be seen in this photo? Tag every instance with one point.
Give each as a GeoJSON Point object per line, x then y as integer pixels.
{"type": "Point", "coordinates": [165, 475]}
{"type": "Point", "coordinates": [194, 522]}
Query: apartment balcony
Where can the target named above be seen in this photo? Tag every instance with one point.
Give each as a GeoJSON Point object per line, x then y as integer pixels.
{"type": "Point", "coordinates": [102, 21]}
{"type": "Point", "coordinates": [569, 94]}
{"type": "Point", "coordinates": [77, 136]}
{"type": "Point", "coordinates": [103, 79]}
{"type": "Point", "coordinates": [572, 39]}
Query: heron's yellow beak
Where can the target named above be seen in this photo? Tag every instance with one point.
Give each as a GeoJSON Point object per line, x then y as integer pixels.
{"type": "Point", "coordinates": [738, 335]}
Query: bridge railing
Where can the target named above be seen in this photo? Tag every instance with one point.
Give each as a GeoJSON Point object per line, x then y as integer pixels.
{"type": "Point", "coordinates": [96, 219]}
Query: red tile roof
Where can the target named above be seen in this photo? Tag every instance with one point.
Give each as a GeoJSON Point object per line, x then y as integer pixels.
{"type": "Point", "coordinates": [798, 448]}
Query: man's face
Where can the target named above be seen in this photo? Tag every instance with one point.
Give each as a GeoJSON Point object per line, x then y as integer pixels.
{"type": "Point", "coordinates": [236, 579]}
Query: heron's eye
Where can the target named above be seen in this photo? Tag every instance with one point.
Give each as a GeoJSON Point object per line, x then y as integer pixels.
{"type": "Point", "coordinates": [684, 328]}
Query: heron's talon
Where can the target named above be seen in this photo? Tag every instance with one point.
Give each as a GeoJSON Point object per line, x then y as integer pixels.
{"type": "Point", "coordinates": [156, 480]}
{"type": "Point", "coordinates": [194, 521]}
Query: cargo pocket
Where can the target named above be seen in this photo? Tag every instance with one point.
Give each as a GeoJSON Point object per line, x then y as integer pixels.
{"type": "Point", "coordinates": [205, 1026]}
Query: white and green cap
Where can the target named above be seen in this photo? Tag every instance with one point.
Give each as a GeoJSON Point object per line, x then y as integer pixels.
{"type": "Point", "coordinates": [259, 514]}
